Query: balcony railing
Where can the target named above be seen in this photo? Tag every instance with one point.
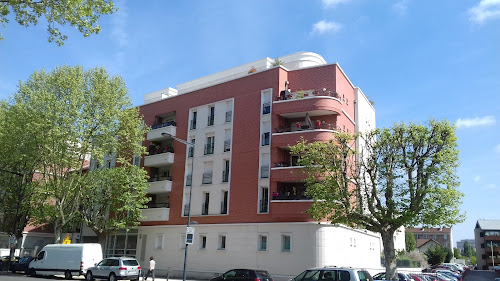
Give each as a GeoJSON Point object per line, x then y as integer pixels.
{"type": "Point", "coordinates": [207, 178]}
{"type": "Point", "coordinates": [306, 94]}
{"type": "Point", "coordinates": [158, 178]}
{"type": "Point", "coordinates": [193, 124]}
{"type": "Point", "coordinates": [264, 172]}
{"type": "Point", "coordinates": [189, 180]}
{"type": "Point", "coordinates": [227, 145]}
{"type": "Point", "coordinates": [266, 108]}
{"type": "Point", "coordinates": [156, 149]}
{"type": "Point", "coordinates": [229, 116]}
{"type": "Point", "coordinates": [209, 148]}
{"type": "Point", "coordinates": [225, 176]}
{"type": "Point", "coordinates": [204, 209]}
{"type": "Point", "coordinates": [166, 124]}
{"type": "Point", "coordinates": [303, 127]}
{"type": "Point", "coordinates": [158, 205]}
{"type": "Point", "coordinates": [223, 208]}
{"type": "Point", "coordinates": [290, 196]}
{"type": "Point", "coordinates": [186, 210]}
{"type": "Point", "coordinates": [210, 120]}
{"type": "Point", "coordinates": [264, 206]}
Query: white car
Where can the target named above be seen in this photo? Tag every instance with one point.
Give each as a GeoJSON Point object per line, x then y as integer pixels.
{"type": "Point", "coordinates": [115, 268]}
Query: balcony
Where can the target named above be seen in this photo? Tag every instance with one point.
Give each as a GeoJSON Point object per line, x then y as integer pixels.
{"type": "Point", "coordinates": [160, 185]}
{"type": "Point", "coordinates": [160, 212]}
{"type": "Point", "coordinates": [492, 238]}
{"type": "Point", "coordinates": [207, 178]}
{"type": "Point", "coordinates": [157, 130]}
{"type": "Point", "coordinates": [315, 103]}
{"type": "Point", "coordinates": [159, 160]}
{"type": "Point", "coordinates": [286, 137]}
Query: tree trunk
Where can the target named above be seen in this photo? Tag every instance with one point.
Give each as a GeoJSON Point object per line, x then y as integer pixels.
{"type": "Point", "coordinates": [102, 240]}
{"type": "Point", "coordinates": [57, 234]}
{"type": "Point", "coordinates": [390, 255]}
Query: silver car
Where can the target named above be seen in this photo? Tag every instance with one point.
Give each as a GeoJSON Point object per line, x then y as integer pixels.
{"type": "Point", "coordinates": [116, 268]}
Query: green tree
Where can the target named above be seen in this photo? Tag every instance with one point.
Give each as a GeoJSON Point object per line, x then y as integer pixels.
{"type": "Point", "coordinates": [120, 189]}
{"type": "Point", "coordinates": [80, 14]}
{"type": "Point", "coordinates": [410, 242]}
{"type": "Point", "coordinates": [436, 255]}
{"type": "Point", "coordinates": [78, 114]}
{"type": "Point", "coordinates": [468, 250]}
{"type": "Point", "coordinates": [401, 176]}
{"type": "Point", "coordinates": [449, 254]}
{"type": "Point", "coordinates": [456, 253]}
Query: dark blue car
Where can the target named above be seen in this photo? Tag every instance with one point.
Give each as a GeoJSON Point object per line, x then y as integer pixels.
{"type": "Point", "coordinates": [21, 265]}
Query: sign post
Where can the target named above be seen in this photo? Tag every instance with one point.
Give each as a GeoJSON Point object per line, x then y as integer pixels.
{"type": "Point", "coordinates": [189, 235]}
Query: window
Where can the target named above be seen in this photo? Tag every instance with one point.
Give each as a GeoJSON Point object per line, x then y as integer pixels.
{"type": "Point", "coordinates": [265, 138]}
{"type": "Point", "coordinates": [209, 147]}
{"type": "Point", "coordinates": [286, 243]}
{"type": "Point", "coordinates": [203, 242]}
{"type": "Point", "coordinates": [211, 116]}
{"type": "Point", "coordinates": [41, 255]}
{"type": "Point", "coordinates": [191, 148]}
{"type": "Point", "coordinates": [264, 200]}
{"type": "Point", "coordinates": [262, 242]}
{"type": "Point", "coordinates": [225, 172]}
{"type": "Point", "coordinates": [137, 161]}
{"type": "Point", "coordinates": [223, 205]}
{"type": "Point", "coordinates": [266, 108]}
{"type": "Point", "coordinates": [229, 116]}
{"type": "Point", "coordinates": [189, 180]}
{"type": "Point", "coordinates": [193, 120]}
{"type": "Point", "coordinates": [222, 242]}
{"type": "Point", "coordinates": [204, 207]}
{"type": "Point", "coordinates": [159, 241]}
{"type": "Point", "coordinates": [227, 145]}
{"type": "Point", "coordinates": [445, 237]}
{"type": "Point", "coordinates": [264, 172]}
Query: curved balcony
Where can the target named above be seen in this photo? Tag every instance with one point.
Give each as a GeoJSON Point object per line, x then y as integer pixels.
{"type": "Point", "coordinates": [157, 130]}
{"type": "Point", "coordinates": [286, 138]}
{"type": "Point", "coordinates": [160, 186]}
{"type": "Point", "coordinates": [314, 105]}
{"type": "Point", "coordinates": [155, 214]}
{"type": "Point", "coordinates": [283, 173]}
{"type": "Point", "coordinates": [159, 160]}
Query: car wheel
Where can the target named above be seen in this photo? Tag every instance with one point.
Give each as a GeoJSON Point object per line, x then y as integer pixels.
{"type": "Point", "coordinates": [67, 275]}
{"type": "Point", "coordinates": [112, 277]}
{"type": "Point", "coordinates": [32, 272]}
{"type": "Point", "coordinates": [89, 276]}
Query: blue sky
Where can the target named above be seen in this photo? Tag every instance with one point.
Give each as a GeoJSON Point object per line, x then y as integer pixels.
{"type": "Point", "coordinates": [414, 59]}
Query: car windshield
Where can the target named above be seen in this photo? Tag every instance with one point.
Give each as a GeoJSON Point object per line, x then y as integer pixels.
{"type": "Point", "coordinates": [130, 262]}
{"type": "Point", "coordinates": [263, 273]}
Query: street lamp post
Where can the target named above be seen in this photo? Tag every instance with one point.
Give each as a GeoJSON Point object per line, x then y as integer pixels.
{"type": "Point", "coordinates": [190, 195]}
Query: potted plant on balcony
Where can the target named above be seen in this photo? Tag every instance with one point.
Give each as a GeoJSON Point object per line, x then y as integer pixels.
{"type": "Point", "coordinates": [300, 94]}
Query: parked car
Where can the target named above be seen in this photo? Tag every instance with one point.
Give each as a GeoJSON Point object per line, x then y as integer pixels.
{"type": "Point", "coordinates": [244, 275]}
{"type": "Point", "coordinates": [115, 268]}
{"type": "Point", "coordinates": [401, 276]}
{"type": "Point", "coordinates": [334, 274]}
{"type": "Point", "coordinates": [21, 265]}
{"type": "Point", "coordinates": [4, 261]}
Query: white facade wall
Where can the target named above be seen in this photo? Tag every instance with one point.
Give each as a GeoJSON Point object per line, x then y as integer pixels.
{"type": "Point", "coordinates": [312, 245]}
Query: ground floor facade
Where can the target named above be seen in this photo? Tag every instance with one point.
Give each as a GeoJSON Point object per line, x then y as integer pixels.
{"type": "Point", "coordinates": [283, 249]}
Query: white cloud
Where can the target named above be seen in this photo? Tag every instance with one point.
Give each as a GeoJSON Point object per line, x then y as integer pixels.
{"type": "Point", "coordinates": [400, 7]}
{"type": "Point", "coordinates": [324, 26]}
{"type": "Point", "coordinates": [332, 3]}
{"type": "Point", "coordinates": [497, 149]}
{"type": "Point", "coordinates": [491, 186]}
{"type": "Point", "coordinates": [477, 179]}
{"type": "Point", "coordinates": [485, 10]}
{"type": "Point", "coordinates": [474, 122]}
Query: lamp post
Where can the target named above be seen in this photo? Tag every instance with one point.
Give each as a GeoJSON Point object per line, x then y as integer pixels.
{"type": "Point", "coordinates": [189, 200]}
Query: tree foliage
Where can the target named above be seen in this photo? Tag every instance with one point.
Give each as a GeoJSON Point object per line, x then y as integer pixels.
{"type": "Point", "coordinates": [410, 242]}
{"type": "Point", "coordinates": [468, 250]}
{"type": "Point", "coordinates": [437, 254]}
{"type": "Point", "coordinates": [78, 114]}
{"type": "Point", "coordinates": [400, 176]}
{"type": "Point", "coordinates": [81, 14]}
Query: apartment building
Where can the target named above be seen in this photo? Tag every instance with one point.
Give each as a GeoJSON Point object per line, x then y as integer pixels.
{"type": "Point", "coordinates": [248, 205]}
{"type": "Point", "coordinates": [440, 236]}
{"type": "Point", "coordinates": [487, 238]}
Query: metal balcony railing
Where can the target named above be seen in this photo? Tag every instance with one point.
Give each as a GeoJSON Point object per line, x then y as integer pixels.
{"type": "Point", "coordinates": [264, 172]}
{"type": "Point", "coordinates": [210, 120]}
{"type": "Point", "coordinates": [264, 206]}
{"type": "Point", "coordinates": [225, 176]}
{"type": "Point", "coordinates": [165, 124]}
{"type": "Point", "coordinates": [207, 178]}
{"type": "Point", "coordinates": [227, 145]}
{"type": "Point", "coordinates": [209, 148]}
{"type": "Point", "coordinates": [204, 209]}
{"type": "Point", "coordinates": [223, 208]}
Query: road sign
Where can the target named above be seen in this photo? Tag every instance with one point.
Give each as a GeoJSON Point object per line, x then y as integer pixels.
{"type": "Point", "coordinates": [66, 240]}
{"type": "Point", "coordinates": [189, 235]}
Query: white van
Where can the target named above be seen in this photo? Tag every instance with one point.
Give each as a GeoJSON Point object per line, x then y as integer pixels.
{"type": "Point", "coordinates": [67, 259]}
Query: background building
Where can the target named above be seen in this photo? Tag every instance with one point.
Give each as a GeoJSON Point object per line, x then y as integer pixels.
{"type": "Point", "coordinates": [487, 234]}
{"type": "Point", "coordinates": [441, 236]}
{"type": "Point", "coordinates": [460, 244]}
{"type": "Point", "coordinates": [248, 195]}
